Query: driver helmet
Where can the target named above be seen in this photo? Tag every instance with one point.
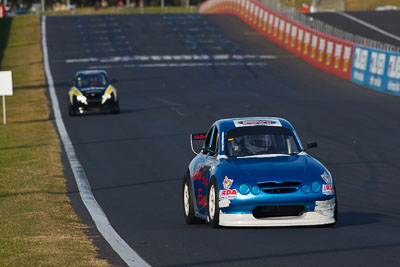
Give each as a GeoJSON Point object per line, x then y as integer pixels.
{"type": "Point", "coordinates": [257, 143]}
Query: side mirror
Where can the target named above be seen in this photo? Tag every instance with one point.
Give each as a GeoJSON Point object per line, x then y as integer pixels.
{"type": "Point", "coordinates": [311, 145]}
{"type": "Point", "coordinates": [206, 150]}
{"type": "Point", "coordinates": [113, 80]}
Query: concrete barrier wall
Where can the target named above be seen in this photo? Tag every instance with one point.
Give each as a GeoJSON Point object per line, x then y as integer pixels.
{"type": "Point", "coordinates": [375, 69]}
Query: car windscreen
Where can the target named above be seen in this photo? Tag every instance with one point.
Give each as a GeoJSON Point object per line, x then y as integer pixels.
{"type": "Point", "coordinates": [260, 140]}
{"type": "Point", "coordinates": [91, 80]}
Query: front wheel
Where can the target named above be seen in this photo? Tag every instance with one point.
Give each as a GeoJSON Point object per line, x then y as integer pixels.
{"type": "Point", "coordinates": [212, 204]}
{"type": "Point", "coordinates": [336, 212]}
{"type": "Point", "coordinates": [71, 110]}
{"type": "Point", "coordinates": [116, 108]}
{"type": "Point", "coordinates": [187, 200]}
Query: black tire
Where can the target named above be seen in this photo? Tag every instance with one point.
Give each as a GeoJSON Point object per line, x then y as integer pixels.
{"type": "Point", "coordinates": [213, 204]}
{"type": "Point", "coordinates": [336, 212]}
{"type": "Point", "coordinates": [188, 201]}
{"type": "Point", "coordinates": [71, 111]}
{"type": "Point", "coordinates": [116, 108]}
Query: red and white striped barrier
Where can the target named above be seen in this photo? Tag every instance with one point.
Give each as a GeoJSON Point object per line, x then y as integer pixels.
{"type": "Point", "coordinates": [326, 52]}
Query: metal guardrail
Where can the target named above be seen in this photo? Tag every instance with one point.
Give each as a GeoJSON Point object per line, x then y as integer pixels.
{"type": "Point", "coordinates": [325, 28]}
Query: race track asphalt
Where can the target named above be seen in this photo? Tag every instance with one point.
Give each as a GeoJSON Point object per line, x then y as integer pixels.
{"type": "Point", "coordinates": [384, 20]}
{"type": "Point", "coordinates": [135, 160]}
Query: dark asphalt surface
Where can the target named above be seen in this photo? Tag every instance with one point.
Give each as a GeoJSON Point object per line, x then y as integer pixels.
{"type": "Point", "coordinates": [385, 20]}
{"type": "Point", "coordinates": [135, 160]}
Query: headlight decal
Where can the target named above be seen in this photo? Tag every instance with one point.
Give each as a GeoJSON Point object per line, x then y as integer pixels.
{"type": "Point", "coordinates": [107, 94]}
{"type": "Point", "coordinates": [79, 96]}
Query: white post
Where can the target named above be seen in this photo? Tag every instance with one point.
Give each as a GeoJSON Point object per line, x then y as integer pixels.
{"type": "Point", "coordinates": [4, 109]}
{"type": "Point", "coordinates": [6, 88]}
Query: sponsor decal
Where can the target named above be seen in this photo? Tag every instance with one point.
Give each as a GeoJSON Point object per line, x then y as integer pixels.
{"type": "Point", "coordinates": [346, 58]}
{"type": "Point", "coordinates": [199, 136]}
{"type": "Point", "coordinates": [294, 33]}
{"type": "Point", "coordinates": [321, 49]}
{"type": "Point", "coordinates": [276, 25]}
{"type": "Point", "coordinates": [287, 32]}
{"type": "Point", "coordinates": [314, 42]}
{"type": "Point", "coordinates": [377, 63]}
{"type": "Point", "coordinates": [227, 193]}
{"type": "Point", "coordinates": [329, 51]}
{"type": "Point", "coordinates": [256, 14]}
{"type": "Point", "coordinates": [200, 175]}
{"type": "Point", "coordinates": [328, 189]}
{"type": "Point", "coordinates": [326, 177]}
{"type": "Point", "coordinates": [299, 39]}
{"type": "Point", "coordinates": [338, 53]}
{"type": "Point", "coordinates": [271, 21]}
{"type": "Point", "coordinates": [222, 141]}
{"type": "Point", "coordinates": [393, 86]}
{"type": "Point", "coordinates": [394, 67]}
{"type": "Point", "coordinates": [358, 76]}
{"type": "Point", "coordinates": [377, 69]}
{"type": "Point", "coordinates": [281, 29]}
{"type": "Point", "coordinates": [224, 203]}
{"type": "Point", "coordinates": [260, 17]}
{"type": "Point", "coordinates": [243, 123]}
{"type": "Point", "coordinates": [251, 11]}
{"type": "Point", "coordinates": [201, 200]}
{"type": "Point", "coordinates": [307, 37]}
{"type": "Point", "coordinates": [265, 20]}
{"type": "Point", "coordinates": [375, 81]}
{"type": "Point", "coordinates": [227, 183]}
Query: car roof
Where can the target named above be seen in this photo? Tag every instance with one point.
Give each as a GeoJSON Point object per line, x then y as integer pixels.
{"type": "Point", "coordinates": [90, 72]}
{"type": "Point", "coordinates": [232, 123]}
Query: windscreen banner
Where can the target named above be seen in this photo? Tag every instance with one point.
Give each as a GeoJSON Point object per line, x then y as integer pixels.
{"type": "Point", "coordinates": [326, 52]}
{"type": "Point", "coordinates": [377, 69]}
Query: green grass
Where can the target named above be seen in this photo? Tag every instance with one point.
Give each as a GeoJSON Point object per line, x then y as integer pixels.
{"type": "Point", "coordinates": [115, 10]}
{"type": "Point", "coordinates": [5, 32]}
{"type": "Point", "coordinates": [37, 223]}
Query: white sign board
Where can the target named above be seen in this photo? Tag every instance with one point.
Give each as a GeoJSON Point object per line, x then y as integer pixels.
{"type": "Point", "coordinates": [6, 87]}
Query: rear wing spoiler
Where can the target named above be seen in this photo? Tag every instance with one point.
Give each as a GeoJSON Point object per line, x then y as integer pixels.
{"type": "Point", "coordinates": [197, 137]}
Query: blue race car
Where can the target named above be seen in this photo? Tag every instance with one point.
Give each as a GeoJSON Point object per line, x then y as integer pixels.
{"type": "Point", "coordinates": [92, 92]}
{"type": "Point", "coordinates": [255, 172]}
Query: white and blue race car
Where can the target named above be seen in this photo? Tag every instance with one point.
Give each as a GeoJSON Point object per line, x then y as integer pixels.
{"type": "Point", "coordinates": [92, 91]}
{"type": "Point", "coordinates": [255, 172]}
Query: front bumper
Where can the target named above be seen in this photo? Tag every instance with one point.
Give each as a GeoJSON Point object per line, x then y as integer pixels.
{"type": "Point", "coordinates": [82, 109]}
{"type": "Point", "coordinates": [323, 214]}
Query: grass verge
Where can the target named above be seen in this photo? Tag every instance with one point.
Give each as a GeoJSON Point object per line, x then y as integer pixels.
{"type": "Point", "coordinates": [37, 223]}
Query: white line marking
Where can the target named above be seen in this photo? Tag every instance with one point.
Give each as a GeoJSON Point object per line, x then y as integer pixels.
{"type": "Point", "coordinates": [172, 65]}
{"type": "Point", "coordinates": [366, 24]}
{"type": "Point", "coordinates": [127, 254]}
{"type": "Point", "coordinates": [168, 58]}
